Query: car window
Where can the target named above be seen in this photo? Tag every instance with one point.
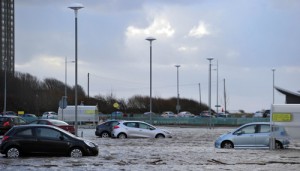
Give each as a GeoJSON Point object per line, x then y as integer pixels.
{"type": "Point", "coordinates": [144, 126]}
{"type": "Point", "coordinates": [48, 133]}
{"type": "Point", "coordinates": [264, 128]}
{"type": "Point", "coordinates": [21, 121]}
{"type": "Point", "coordinates": [114, 123]}
{"type": "Point", "coordinates": [131, 124]}
{"type": "Point", "coordinates": [248, 129]}
{"type": "Point", "coordinates": [25, 132]}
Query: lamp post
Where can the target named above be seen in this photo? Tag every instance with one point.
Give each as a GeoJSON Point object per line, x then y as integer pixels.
{"type": "Point", "coordinates": [273, 84]}
{"type": "Point", "coordinates": [5, 68]}
{"type": "Point", "coordinates": [177, 106]}
{"type": "Point", "coordinates": [217, 105]}
{"type": "Point", "coordinates": [209, 91]}
{"type": "Point", "coordinates": [150, 39]}
{"type": "Point", "coordinates": [76, 7]}
{"type": "Point", "coordinates": [200, 95]}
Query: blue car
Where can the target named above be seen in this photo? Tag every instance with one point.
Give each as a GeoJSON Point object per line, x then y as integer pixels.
{"type": "Point", "coordinates": [254, 135]}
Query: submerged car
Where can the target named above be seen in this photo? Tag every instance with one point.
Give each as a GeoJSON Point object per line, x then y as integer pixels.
{"type": "Point", "coordinates": [104, 129]}
{"type": "Point", "coordinates": [44, 140]}
{"type": "Point", "coordinates": [254, 135]}
{"type": "Point", "coordinates": [138, 129]}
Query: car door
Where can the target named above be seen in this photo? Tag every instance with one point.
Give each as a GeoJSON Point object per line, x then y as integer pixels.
{"type": "Point", "coordinates": [50, 141]}
{"type": "Point", "coordinates": [245, 136]}
{"type": "Point", "coordinates": [132, 129]}
{"type": "Point", "coordinates": [146, 131]}
{"type": "Point", "coordinates": [26, 139]}
{"type": "Point", "coordinates": [262, 135]}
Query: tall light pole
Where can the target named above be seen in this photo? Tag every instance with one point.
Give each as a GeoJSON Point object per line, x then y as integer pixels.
{"type": "Point", "coordinates": [273, 84]}
{"type": "Point", "coordinates": [200, 95]}
{"type": "Point", "coordinates": [5, 68]}
{"type": "Point", "coordinates": [209, 91]}
{"type": "Point", "coordinates": [76, 7]}
{"type": "Point", "coordinates": [217, 105]}
{"type": "Point", "coordinates": [150, 39]}
{"type": "Point", "coordinates": [177, 106]}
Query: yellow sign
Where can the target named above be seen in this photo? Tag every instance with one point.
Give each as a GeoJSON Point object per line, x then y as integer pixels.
{"type": "Point", "coordinates": [21, 112]}
{"type": "Point", "coordinates": [89, 112]}
{"type": "Point", "coordinates": [116, 105]}
{"type": "Point", "coordinates": [281, 117]}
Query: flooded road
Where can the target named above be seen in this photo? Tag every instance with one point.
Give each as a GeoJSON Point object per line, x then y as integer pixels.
{"type": "Point", "coordinates": [189, 149]}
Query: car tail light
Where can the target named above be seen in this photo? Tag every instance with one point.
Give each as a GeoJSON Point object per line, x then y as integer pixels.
{"type": "Point", "coordinates": [6, 123]}
{"type": "Point", "coordinates": [5, 138]}
{"type": "Point", "coordinates": [116, 127]}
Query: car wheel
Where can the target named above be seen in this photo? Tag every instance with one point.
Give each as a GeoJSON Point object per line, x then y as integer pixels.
{"type": "Point", "coordinates": [278, 145]}
{"type": "Point", "coordinates": [122, 136]}
{"type": "Point", "coordinates": [76, 152]}
{"type": "Point", "coordinates": [160, 136]}
{"type": "Point", "coordinates": [105, 135]}
{"type": "Point", "coordinates": [227, 144]}
{"type": "Point", "coordinates": [13, 152]}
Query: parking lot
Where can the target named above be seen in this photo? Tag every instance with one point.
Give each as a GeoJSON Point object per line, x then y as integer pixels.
{"type": "Point", "coordinates": [189, 149]}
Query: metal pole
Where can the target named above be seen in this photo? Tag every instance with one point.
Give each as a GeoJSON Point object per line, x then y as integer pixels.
{"type": "Point", "coordinates": [5, 68]}
{"type": "Point", "coordinates": [150, 39]}
{"type": "Point", "coordinates": [200, 95]}
{"type": "Point", "coordinates": [273, 85]}
{"type": "Point", "coordinates": [66, 77]}
{"type": "Point", "coordinates": [76, 7]}
{"type": "Point", "coordinates": [217, 87]}
{"type": "Point", "coordinates": [209, 91]}
{"type": "Point", "coordinates": [177, 106]}
{"type": "Point", "coordinates": [88, 89]}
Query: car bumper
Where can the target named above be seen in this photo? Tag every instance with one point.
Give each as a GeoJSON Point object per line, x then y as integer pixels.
{"type": "Point", "coordinates": [92, 151]}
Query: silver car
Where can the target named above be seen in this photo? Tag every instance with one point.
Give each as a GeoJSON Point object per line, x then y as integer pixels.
{"type": "Point", "coordinates": [256, 135]}
{"type": "Point", "coordinates": [131, 129]}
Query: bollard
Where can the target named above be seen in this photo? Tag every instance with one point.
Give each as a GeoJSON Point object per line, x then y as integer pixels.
{"type": "Point", "coordinates": [81, 134]}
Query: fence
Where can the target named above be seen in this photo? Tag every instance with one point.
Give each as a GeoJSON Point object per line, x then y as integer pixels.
{"type": "Point", "coordinates": [195, 121]}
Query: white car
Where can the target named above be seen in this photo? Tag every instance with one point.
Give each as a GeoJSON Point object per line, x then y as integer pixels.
{"type": "Point", "coordinates": [185, 114]}
{"type": "Point", "coordinates": [50, 115]}
{"type": "Point", "coordinates": [168, 114]}
{"type": "Point", "coordinates": [138, 129]}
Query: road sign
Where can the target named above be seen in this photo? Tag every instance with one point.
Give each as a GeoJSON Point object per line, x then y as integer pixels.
{"type": "Point", "coordinates": [63, 102]}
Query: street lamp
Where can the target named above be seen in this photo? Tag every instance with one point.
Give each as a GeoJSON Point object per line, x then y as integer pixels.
{"type": "Point", "coordinates": [209, 90]}
{"type": "Point", "coordinates": [150, 39]}
{"type": "Point", "coordinates": [217, 105]}
{"type": "Point", "coordinates": [177, 106]}
{"type": "Point", "coordinates": [76, 7]}
{"type": "Point", "coordinates": [273, 84]}
{"type": "Point", "coordinates": [5, 68]}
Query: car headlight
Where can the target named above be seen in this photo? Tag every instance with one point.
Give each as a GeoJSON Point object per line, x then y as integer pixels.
{"type": "Point", "coordinates": [90, 144]}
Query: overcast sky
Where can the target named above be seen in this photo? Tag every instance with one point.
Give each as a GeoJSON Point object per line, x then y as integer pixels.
{"type": "Point", "coordinates": [247, 38]}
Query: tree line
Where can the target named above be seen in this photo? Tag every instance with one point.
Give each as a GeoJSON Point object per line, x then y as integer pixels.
{"type": "Point", "coordinates": [25, 92]}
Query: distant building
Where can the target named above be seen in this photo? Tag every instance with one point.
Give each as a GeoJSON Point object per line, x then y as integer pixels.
{"type": "Point", "coordinates": [290, 97]}
{"type": "Point", "coordinates": [7, 35]}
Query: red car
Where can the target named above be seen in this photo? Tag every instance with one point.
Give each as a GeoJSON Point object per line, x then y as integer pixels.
{"type": "Point", "coordinates": [8, 121]}
{"type": "Point", "coordinates": [54, 122]}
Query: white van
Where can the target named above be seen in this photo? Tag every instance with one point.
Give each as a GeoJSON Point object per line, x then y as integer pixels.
{"type": "Point", "coordinates": [85, 114]}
